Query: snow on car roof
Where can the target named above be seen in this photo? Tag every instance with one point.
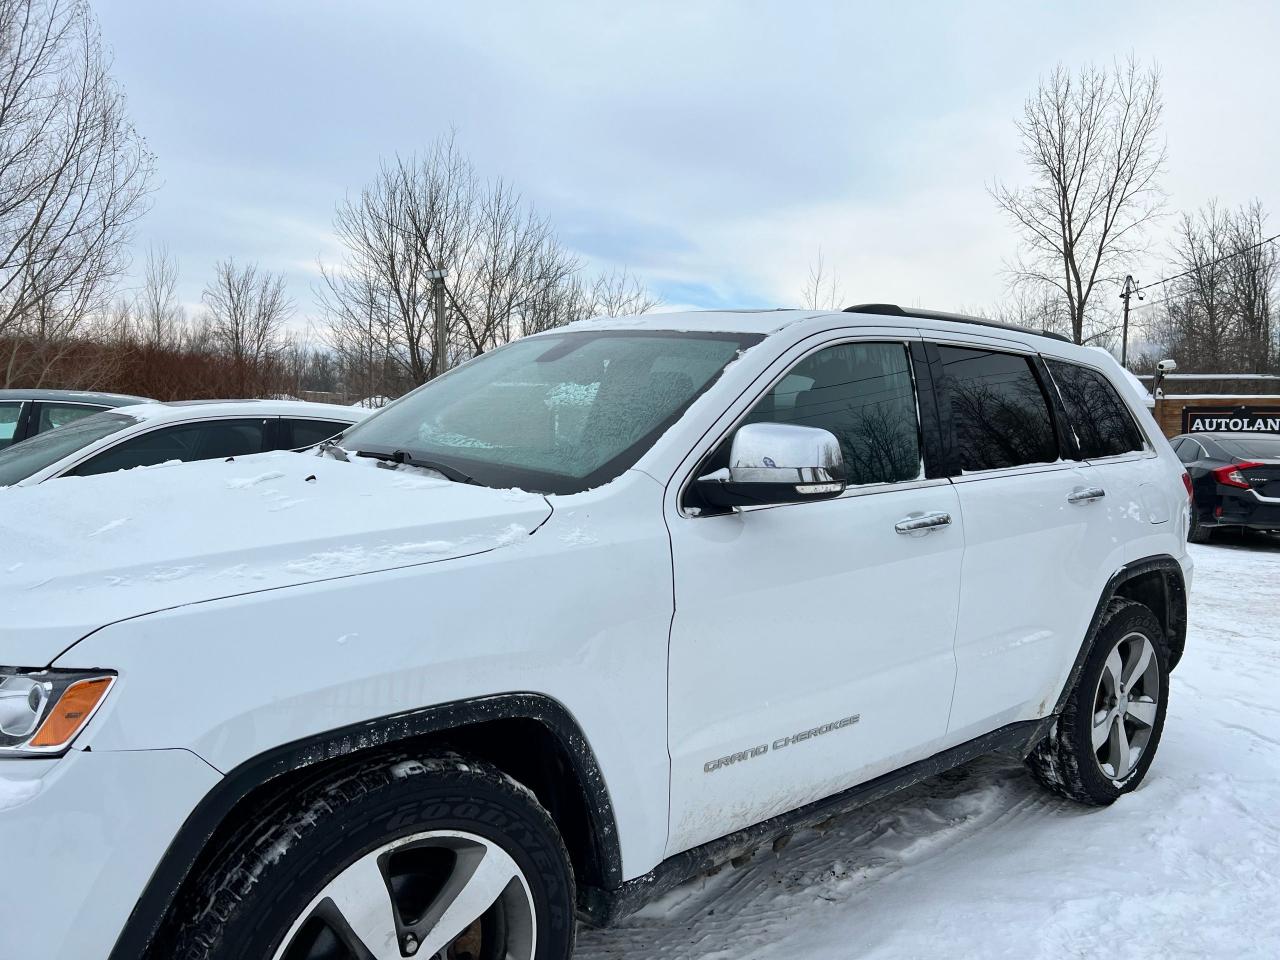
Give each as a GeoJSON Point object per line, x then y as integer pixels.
{"type": "Point", "coordinates": [201, 409]}
{"type": "Point", "coordinates": [701, 321]}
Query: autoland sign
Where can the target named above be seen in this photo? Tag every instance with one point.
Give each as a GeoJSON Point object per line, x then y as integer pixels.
{"type": "Point", "coordinates": [1240, 419]}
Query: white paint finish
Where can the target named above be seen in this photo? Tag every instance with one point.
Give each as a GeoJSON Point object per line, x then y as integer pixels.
{"type": "Point", "coordinates": [84, 847]}
{"type": "Point", "coordinates": [579, 611]}
{"type": "Point", "coordinates": [793, 617]}
{"type": "Point", "coordinates": [1034, 566]}
{"type": "Point", "coordinates": [97, 550]}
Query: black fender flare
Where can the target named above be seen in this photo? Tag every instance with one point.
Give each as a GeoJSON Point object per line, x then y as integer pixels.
{"type": "Point", "coordinates": [212, 810]}
{"type": "Point", "coordinates": [1174, 616]}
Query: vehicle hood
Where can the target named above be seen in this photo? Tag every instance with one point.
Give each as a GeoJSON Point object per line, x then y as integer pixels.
{"type": "Point", "coordinates": [79, 553]}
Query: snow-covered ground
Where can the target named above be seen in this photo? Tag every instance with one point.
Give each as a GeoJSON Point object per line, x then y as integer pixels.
{"type": "Point", "coordinates": [980, 863]}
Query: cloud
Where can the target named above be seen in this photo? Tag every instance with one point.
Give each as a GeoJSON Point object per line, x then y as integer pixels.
{"type": "Point", "coordinates": [711, 148]}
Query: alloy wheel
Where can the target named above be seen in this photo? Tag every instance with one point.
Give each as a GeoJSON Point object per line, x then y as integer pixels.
{"type": "Point", "coordinates": [441, 895]}
{"type": "Point", "coordinates": [1125, 706]}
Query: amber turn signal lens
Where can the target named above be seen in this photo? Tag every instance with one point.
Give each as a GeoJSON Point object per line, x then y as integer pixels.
{"type": "Point", "coordinates": [72, 710]}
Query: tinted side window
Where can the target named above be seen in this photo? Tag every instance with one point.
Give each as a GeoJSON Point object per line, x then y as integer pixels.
{"type": "Point", "coordinates": [60, 414]}
{"type": "Point", "coordinates": [215, 439]}
{"type": "Point", "coordinates": [864, 394]}
{"type": "Point", "coordinates": [9, 413]}
{"type": "Point", "coordinates": [307, 433]}
{"type": "Point", "coordinates": [999, 414]}
{"type": "Point", "coordinates": [1187, 450]}
{"type": "Point", "coordinates": [1102, 423]}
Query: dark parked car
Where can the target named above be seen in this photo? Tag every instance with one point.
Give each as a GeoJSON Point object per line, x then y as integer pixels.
{"type": "Point", "coordinates": [24, 413]}
{"type": "Point", "coordinates": [1235, 479]}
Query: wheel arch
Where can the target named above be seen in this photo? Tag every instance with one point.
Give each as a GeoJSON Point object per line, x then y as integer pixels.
{"type": "Point", "coordinates": [1156, 582]}
{"type": "Point", "coordinates": [530, 737]}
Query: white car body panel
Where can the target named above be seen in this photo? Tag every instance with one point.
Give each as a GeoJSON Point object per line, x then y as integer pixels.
{"type": "Point", "coordinates": [86, 552]}
{"type": "Point", "coordinates": [358, 647]}
{"type": "Point", "coordinates": [79, 884]}
{"type": "Point", "coordinates": [793, 617]}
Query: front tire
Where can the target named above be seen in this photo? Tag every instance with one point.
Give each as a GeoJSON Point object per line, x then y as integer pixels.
{"type": "Point", "coordinates": [1105, 740]}
{"type": "Point", "coordinates": [427, 857]}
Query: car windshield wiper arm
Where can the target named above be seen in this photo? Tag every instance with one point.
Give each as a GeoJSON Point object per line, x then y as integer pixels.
{"type": "Point", "coordinates": [331, 447]}
{"type": "Point", "coordinates": [402, 457]}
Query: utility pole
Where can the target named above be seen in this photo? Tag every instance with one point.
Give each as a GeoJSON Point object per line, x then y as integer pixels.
{"type": "Point", "coordinates": [1129, 289]}
{"type": "Point", "coordinates": [439, 345]}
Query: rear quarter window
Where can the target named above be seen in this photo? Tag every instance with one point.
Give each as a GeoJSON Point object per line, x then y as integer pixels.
{"type": "Point", "coordinates": [1102, 424]}
{"type": "Point", "coordinates": [307, 433]}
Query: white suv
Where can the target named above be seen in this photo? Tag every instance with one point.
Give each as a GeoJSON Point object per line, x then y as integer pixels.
{"type": "Point", "coordinates": [589, 615]}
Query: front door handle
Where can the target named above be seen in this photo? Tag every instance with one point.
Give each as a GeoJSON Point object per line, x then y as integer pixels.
{"type": "Point", "coordinates": [1086, 495]}
{"type": "Point", "coordinates": [925, 522]}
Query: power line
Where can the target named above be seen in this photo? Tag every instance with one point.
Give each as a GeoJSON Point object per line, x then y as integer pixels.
{"type": "Point", "coordinates": [1211, 263]}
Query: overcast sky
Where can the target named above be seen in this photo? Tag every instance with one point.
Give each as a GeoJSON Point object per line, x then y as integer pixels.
{"type": "Point", "coordinates": [710, 147]}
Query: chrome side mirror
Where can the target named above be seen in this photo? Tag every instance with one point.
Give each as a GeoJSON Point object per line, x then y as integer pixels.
{"type": "Point", "coordinates": [772, 463]}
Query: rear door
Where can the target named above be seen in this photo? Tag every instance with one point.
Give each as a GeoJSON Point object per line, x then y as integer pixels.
{"type": "Point", "coordinates": [1032, 523]}
{"type": "Point", "coordinates": [811, 647]}
{"type": "Point", "coordinates": [1143, 495]}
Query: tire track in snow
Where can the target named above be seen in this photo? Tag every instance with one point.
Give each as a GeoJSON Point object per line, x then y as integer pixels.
{"type": "Point", "coordinates": [737, 910]}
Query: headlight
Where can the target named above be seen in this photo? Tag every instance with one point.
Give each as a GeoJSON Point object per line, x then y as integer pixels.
{"type": "Point", "coordinates": [41, 711]}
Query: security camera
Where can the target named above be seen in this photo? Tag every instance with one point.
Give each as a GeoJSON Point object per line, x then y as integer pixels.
{"type": "Point", "coordinates": [1167, 366]}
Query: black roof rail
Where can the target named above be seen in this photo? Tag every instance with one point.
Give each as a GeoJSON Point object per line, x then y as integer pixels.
{"type": "Point", "coordinates": [893, 310]}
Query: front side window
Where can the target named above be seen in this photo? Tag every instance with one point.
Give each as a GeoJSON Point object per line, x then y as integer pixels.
{"type": "Point", "coordinates": [560, 413]}
{"type": "Point", "coordinates": [53, 415]}
{"type": "Point", "coordinates": [9, 413]}
{"type": "Point", "coordinates": [1102, 423]}
{"type": "Point", "coordinates": [864, 394]}
{"type": "Point", "coordinates": [209, 440]}
{"type": "Point", "coordinates": [999, 414]}
{"type": "Point", "coordinates": [25, 459]}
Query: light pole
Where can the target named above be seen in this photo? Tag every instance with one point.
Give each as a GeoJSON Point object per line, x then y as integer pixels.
{"type": "Point", "coordinates": [439, 345]}
{"type": "Point", "coordinates": [1129, 289]}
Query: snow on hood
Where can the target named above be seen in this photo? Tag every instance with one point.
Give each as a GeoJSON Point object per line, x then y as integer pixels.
{"type": "Point", "coordinates": [77, 554]}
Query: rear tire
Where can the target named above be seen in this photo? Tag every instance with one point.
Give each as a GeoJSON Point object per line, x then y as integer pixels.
{"type": "Point", "coordinates": [1198, 532]}
{"type": "Point", "coordinates": [1105, 740]}
{"type": "Point", "coordinates": [407, 855]}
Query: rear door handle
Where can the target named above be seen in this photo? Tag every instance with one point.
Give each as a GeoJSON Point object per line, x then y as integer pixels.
{"type": "Point", "coordinates": [925, 522]}
{"type": "Point", "coordinates": [1087, 495]}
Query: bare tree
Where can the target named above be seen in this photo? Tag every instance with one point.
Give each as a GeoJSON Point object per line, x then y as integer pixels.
{"type": "Point", "coordinates": [506, 273]}
{"type": "Point", "coordinates": [74, 176]}
{"type": "Point", "coordinates": [245, 312]}
{"type": "Point", "coordinates": [156, 310]}
{"type": "Point", "coordinates": [614, 294]}
{"type": "Point", "coordinates": [1252, 273]}
{"type": "Point", "coordinates": [821, 291]}
{"type": "Point", "coordinates": [1216, 312]}
{"type": "Point", "coordinates": [1091, 140]}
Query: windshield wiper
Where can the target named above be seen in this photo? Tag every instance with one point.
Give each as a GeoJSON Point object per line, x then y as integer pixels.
{"type": "Point", "coordinates": [403, 458]}
{"type": "Point", "coordinates": [331, 447]}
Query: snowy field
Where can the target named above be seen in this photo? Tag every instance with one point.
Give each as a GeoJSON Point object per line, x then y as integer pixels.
{"type": "Point", "coordinates": [980, 863]}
